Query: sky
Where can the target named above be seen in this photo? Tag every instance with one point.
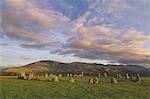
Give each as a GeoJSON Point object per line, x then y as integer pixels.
{"type": "Point", "coordinates": [92, 31]}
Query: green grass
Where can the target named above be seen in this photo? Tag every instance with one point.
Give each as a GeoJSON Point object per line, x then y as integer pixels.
{"type": "Point", "coordinates": [13, 88]}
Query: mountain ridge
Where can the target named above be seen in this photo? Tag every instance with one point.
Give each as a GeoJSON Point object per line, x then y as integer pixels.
{"type": "Point", "coordinates": [56, 67]}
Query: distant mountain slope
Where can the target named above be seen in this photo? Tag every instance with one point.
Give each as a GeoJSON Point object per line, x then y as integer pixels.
{"type": "Point", "coordinates": [76, 67]}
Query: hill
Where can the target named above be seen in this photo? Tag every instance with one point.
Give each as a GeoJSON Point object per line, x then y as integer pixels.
{"type": "Point", "coordinates": [76, 67]}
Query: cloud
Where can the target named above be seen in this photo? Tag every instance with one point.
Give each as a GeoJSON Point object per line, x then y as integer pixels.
{"type": "Point", "coordinates": [118, 5]}
{"type": "Point", "coordinates": [22, 34]}
{"type": "Point", "coordinates": [39, 45]}
{"type": "Point", "coordinates": [97, 36]}
{"type": "Point", "coordinates": [21, 12]}
{"type": "Point", "coordinates": [17, 3]}
{"type": "Point", "coordinates": [136, 40]}
{"type": "Point", "coordinates": [100, 43]}
{"type": "Point", "coordinates": [3, 44]}
{"type": "Point", "coordinates": [105, 30]}
{"type": "Point", "coordinates": [119, 44]}
{"type": "Point", "coordinates": [39, 17]}
{"type": "Point", "coordinates": [85, 37]}
{"type": "Point", "coordinates": [22, 20]}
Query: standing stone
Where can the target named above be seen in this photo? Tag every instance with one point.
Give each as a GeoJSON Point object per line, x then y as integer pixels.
{"type": "Point", "coordinates": [95, 80]}
{"type": "Point", "coordinates": [68, 75]}
{"type": "Point", "coordinates": [113, 80]}
{"type": "Point", "coordinates": [75, 75]}
{"type": "Point", "coordinates": [99, 75]}
{"type": "Point", "coordinates": [22, 75]}
{"type": "Point", "coordinates": [138, 78]}
{"type": "Point", "coordinates": [30, 76]}
{"type": "Point", "coordinates": [55, 79]}
{"type": "Point", "coordinates": [59, 75]}
{"type": "Point", "coordinates": [82, 74]}
{"type": "Point", "coordinates": [91, 80]}
{"type": "Point", "coordinates": [127, 76]}
{"type": "Point", "coordinates": [51, 75]}
{"type": "Point", "coordinates": [105, 74]}
{"type": "Point", "coordinates": [119, 75]}
{"type": "Point", "coordinates": [46, 75]}
{"type": "Point", "coordinates": [71, 80]}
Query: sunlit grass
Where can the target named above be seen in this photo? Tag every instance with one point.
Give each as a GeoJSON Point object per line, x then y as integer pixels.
{"type": "Point", "coordinates": [13, 88]}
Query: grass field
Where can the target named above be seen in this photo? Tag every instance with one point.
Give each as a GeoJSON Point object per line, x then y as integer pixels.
{"type": "Point", "coordinates": [13, 88]}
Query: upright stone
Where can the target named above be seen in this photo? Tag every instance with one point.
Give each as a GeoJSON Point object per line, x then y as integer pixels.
{"type": "Point", "coordinates": [105, 74]}
{"type": "Point", "coordinates": [91, 80]}
{"type": "Point", "coordinates": [68, 75]}
{"type": "Point", "coordinates": [113, 80]}
{"type": "Point", "coordinates": [82, 74]}
{"type": "Point", "coordinates": [96, 80]}
{"type": "Point", "coordinates": [75, 75]}
{"type": "Point", "coordinates": [46, 75]}
{"type": "Point", "coordinates": [30, 76]}
{"type": "Point", "coordinates": [138, 78]}
{"type": "Point", "coordinates": [22, 75]}
{"type": "Point", "coordinates": [55, 79]}
{"type": "Point", "coordinates": [127, 76]}
{"type": "Point", "coordinates": [99, 75]}
{"type": "Point", "coordinates": [119, 75]}
{"type": "Point", "coordinates": [51, 75]}
{"type": "Point", "coordinates": [71, 80]}
{"type": "Point", "coordinates": [59, 75]}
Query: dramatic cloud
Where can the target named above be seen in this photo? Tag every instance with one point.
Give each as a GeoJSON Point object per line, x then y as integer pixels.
{"type": "Point", "coordinates": [23, 20]}
{"type": "Point", "coordinates": [112, 31]}
{"type": "Point", "coordinates": [100, 43]}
